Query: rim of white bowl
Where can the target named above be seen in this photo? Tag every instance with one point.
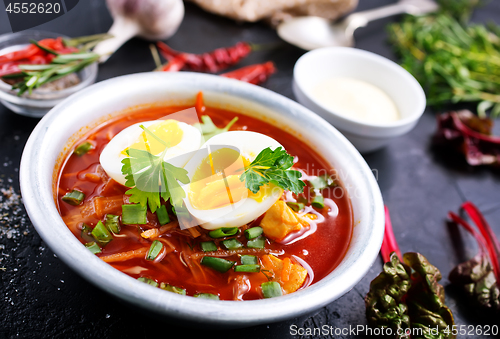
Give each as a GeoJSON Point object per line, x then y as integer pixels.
{"type": "Point", "coordinates": [359, 53]}
{"type": "Point", "coordinates": [37, 195]}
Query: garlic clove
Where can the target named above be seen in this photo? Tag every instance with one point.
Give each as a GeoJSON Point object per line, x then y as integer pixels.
{"type": "Point", "coordinates": [149, 19]}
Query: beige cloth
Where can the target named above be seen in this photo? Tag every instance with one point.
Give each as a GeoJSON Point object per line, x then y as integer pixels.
{"type": "Point", "coordinates": [277, 10]}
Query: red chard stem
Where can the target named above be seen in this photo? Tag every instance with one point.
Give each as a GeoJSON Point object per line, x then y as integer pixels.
{"type": "Point", "coordinates": [492, 246]}
{"type": "Point", "coordinates": [389, 244]}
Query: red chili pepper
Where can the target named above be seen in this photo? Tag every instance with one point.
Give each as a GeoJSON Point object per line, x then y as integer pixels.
{"type": "Point", "coordinates": [213, 62]}
{"type": "Point", "coordinates": [174, 65]}
{"type": "Point", "coordinates": [254, 74]}
{"type": "Point", "coordinates": [18, 55]}
{"type": "Point", "coordinates": [33, 51]}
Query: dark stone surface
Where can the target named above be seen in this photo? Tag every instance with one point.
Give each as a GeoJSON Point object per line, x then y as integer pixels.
{"type": "Point", "coordinates": [41, 297]}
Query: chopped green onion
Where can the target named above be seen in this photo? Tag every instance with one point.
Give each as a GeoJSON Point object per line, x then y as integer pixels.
{"type": "Point", "coordinates": [64, 58]}
{"type": "Point", "coordinates": [148, 281]}
{"type": "Point", "coordinates": [206, 296]}
{"type": "Point", "coordinates": [208, 246]}
{"type": "Point", "coordinates": [296, 206]}
{"type": "Point", "coordinates": [248, 260]}
{"type": "Point", "coordinates": [318, 182]}
{"type": "Point", "coordinates": [134, 214]}
{"type": "Point", "coordinates": [83, 148]}
{"type": "Point", "coordinates": [232, 244]}
{"type": "Point", "coordinates": [113, 223]}
{"type": "Point", "coordinates": [321, 182]}
{"type": "Point", "coordinates": [86, 233]}
{"type": "Point", "coordinates": [101, 234]}
{"type": "Point", "coordinates": [218, 264]}
{"type": "Point", "coordinates": [162, 215]}
{"type": "Point", "coordinates": [173, 289]}
{"type": "Point", "coordinates": [271, 289]}
{"type": "Point", "coordinates": [223, 232]}
{"type": "Point", "coordinates": [253, 232]}
{"type": "Point", "coordinates": [154, 250]}
{"type": "Point", "coordinates": [247, 268]}
{"type": "Point", "coordinates": [74, 197]}
{"type": "Point", "coordinates": [35, 67]}
{"type": "Point", "coordinates": [318, 201]}
{"type": "Point", "coordinates": [93, 247]}
{"type": "Point", "coordinates": [258, 242]}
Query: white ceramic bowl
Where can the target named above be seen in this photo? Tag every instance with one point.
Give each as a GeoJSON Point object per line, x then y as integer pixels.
{"type": "Point", "coordinates": [324, 63]}
{"type": "Point", "coordinates": [44, 153]}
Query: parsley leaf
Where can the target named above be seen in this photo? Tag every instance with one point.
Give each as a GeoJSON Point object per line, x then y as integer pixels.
{"type": "Point", "coordinates": [151, 178]}
{"type": "Point", "coordinates": [208, 128]}
{"type": "Point", "coordinates": [273, 167]}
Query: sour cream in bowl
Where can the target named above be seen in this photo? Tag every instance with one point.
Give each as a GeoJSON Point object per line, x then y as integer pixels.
{"type": "Point", "coordinates": [367, 97]}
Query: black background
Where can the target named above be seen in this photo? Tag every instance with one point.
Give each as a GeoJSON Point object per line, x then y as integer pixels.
{"type": "Point", "coordinates": [41, 297]}
{"type": "Point", "coordinates": [34, 16]}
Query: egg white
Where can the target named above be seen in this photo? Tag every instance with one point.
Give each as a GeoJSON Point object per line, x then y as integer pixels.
{"type": "Point", "coordinates": [250, 144]}
{"type": "Point", "coordinates": [111, 157]}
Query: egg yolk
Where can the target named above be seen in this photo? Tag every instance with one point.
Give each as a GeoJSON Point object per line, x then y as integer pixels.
{"type": "Point", "coordinates": [168, 130]}
{"type": "Point", "coordinates": [216, 182]}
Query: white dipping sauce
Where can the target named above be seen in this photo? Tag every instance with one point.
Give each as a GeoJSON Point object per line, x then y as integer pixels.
{"type": "Point", "coordinates": [356, 99]}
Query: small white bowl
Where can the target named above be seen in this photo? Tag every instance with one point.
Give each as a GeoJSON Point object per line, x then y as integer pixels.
{"type": "Point", "coordinates": [38, 104]}
{"type": "Point", "coordinates": [324, 63]}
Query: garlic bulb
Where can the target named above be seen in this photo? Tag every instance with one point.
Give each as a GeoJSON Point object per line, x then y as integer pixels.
{"type": "Point", "coordinates": [149, 19]}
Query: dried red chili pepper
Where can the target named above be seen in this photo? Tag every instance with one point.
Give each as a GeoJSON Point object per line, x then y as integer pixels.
{"type": "Point", "coordinates": [19, 55]}
{"type": "Point", "coordinates": [213, 62]}
{"type": "Point", "coordinates": [254, 74]}
{"type": "Point", "coordinates": [174, 65]}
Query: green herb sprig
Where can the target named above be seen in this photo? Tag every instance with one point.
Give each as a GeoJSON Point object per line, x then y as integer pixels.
{"type": "Point", "coordinates": [209, 129]}
{"type": "Point", "coordinates": [152, 178]}
{"type": "Point", "coordinates": [273, 166]}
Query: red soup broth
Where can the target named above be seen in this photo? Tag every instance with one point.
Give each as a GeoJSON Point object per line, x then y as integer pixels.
{"type": "Point", "coordinates": [322, 250]}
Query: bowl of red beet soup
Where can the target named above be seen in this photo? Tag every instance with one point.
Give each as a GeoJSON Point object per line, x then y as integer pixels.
{"type": "Point", "coordinates": [202, 199]}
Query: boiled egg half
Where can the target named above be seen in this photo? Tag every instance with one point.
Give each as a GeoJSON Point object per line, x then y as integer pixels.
{"type": "Point", "coordinates": [181, 139]}
{"type": "Point", "coordinates": [215, 196]}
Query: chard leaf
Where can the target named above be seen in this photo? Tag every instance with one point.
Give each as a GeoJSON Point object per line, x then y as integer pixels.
{"type": "Point", "coordinates": [384, 305]}
{"type": "Point", "coordinates": [469, 135]}
{"type": "Point", "coordinates": [477, 279]}
{"type": "Point", "coordinates": [408, 296]}
{"type": "Point", "coordinates": [425, 298]}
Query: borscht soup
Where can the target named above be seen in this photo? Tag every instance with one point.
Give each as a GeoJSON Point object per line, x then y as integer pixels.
{"type": "Point", "coordinates": [205, 202]}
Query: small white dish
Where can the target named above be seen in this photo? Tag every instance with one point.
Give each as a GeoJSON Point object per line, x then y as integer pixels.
{"type": "Point", "coordinates": [324, 63]}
